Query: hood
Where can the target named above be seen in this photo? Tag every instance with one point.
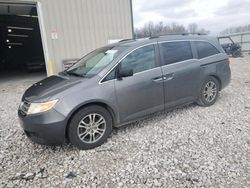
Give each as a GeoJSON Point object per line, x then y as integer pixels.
{"type": "Point", "coordinates": [48, 87]}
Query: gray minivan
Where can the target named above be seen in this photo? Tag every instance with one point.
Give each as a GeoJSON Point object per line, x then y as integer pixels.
{"type": "Point", "coordinates": [120, 83]}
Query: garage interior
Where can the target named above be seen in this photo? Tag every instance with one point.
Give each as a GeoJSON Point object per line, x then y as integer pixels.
{"type": "Point", "coordinates": [21, 50]}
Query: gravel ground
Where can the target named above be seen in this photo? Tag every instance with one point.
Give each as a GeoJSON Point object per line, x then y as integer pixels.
{"type": "Point", "coordinates": [188, 147]}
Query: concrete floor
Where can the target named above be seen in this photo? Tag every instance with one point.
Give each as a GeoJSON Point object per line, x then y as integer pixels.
{"type": "Point", "coordinates": [14, 76]}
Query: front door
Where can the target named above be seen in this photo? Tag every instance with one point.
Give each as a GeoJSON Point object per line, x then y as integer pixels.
{"type": "Point", "coordinates": [142, 93]}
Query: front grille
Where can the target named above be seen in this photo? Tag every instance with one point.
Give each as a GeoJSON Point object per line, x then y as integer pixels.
{"type": "Point", "coordinates": [24, 107]}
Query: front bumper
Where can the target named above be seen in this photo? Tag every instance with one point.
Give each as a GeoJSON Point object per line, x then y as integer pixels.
{"type": "Point", "coordinates": [47, 128]}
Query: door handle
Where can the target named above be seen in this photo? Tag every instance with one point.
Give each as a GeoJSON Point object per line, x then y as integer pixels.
{"type": "Point", "coordinates": [168, 77]}
{"type": "Point", "coordinates": [164, 78]}
{"type": "Point", "coordinates": [157, 79]}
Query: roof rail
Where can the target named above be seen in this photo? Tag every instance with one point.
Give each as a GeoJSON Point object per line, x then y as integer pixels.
{"type": "Point", "coordinates": [194, 33]}
{"type": "Point", "coordinates": [157, 36]}
{"type": "Point", "coordinates": [184, 34]}
{"type": "Point", "coordinates": [124, 40]}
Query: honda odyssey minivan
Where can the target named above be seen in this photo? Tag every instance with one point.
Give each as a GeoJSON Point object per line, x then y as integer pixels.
{"type": "Point", "coordinates": [120, 83]}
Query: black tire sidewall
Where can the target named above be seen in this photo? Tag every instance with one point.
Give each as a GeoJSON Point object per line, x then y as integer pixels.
{"type": "Point", "coordinates": [202, 99]}
{"type": "Point", "coordinates": [73, 126]}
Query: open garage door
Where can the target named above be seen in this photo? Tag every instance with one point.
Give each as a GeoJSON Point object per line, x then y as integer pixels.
{"type": "Point", "coordinates": [21, 49]}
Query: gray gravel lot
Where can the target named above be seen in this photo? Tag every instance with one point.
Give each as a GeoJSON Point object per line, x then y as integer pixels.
{"type": "Point", "coordinates": [188, 147]}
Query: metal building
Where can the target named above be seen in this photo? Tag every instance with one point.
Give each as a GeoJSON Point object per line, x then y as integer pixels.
{"type": "Point", "coordinates": [68, 29]}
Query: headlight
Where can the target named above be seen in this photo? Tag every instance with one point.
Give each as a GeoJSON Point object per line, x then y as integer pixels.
{"type": "Point", "coordinates": [41, 107]}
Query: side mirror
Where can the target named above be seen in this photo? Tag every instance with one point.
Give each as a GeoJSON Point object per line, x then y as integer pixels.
{"type": "Point", "coordinates": [125, 73]}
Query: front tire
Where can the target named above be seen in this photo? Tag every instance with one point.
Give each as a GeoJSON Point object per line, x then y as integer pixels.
{"type": "Point", "coordinates": [90, 127]}
{"type": "Point", "coordinates": [209, 92]}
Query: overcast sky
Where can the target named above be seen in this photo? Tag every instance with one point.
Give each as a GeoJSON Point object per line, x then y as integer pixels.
{"type": "Point", "coordinates": [213, 15]}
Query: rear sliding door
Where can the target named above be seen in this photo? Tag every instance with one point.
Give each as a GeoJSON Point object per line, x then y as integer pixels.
{"type": "Point", "coordinates": [181, 72]}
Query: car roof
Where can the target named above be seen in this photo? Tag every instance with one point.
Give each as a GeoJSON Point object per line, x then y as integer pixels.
{"type": "Point", "coordinates": [144, 41]}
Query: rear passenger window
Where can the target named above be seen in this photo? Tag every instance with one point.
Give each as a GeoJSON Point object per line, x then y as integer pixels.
{"type": "Point", "coordinates": [205, 49]}
{"type": "Point", "coordinates": [176, 51]}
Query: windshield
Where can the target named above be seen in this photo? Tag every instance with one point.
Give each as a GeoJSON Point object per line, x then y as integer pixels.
{"type": "Point", "coordinates": [95, 62]}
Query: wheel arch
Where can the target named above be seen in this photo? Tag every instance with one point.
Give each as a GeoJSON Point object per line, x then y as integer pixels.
{"type": "Point", "coordinates": [91, 103]}
{"type": "Point", "coordinates": [218, 79]}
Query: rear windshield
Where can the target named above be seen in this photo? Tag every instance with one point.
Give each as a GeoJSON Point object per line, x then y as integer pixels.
{"type": "Point", "coordinates": [93, 63]}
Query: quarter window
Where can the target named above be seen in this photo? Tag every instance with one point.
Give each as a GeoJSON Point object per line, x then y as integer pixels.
{"type": "Point", "coordinates": [110, 76]}
{"type": "Point", "coordinates": [176, 51]}
{"type": "Point", "coordinates": [205, 49]}
{"type": "Point", "coordinates": [140, 60]}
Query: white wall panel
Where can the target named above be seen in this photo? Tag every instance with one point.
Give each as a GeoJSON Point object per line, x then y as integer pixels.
{"type": "Point", "coordinates": [83, 25]}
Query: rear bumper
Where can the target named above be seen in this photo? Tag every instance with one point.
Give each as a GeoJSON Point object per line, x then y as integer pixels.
{"type": "Point", "coordinates": [226, 78]}
{"type": "Point", "coordinates": [46, 128]}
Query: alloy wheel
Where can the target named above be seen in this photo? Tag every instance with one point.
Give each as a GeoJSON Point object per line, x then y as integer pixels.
{"type": "Point", "coordinates": [91, 128]}
{"type": "Point", "coordinates": [210, 91]}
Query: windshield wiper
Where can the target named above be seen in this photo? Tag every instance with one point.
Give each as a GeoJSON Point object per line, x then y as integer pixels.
{"type": "Point", "coordinates": [63, 73]}
{"type": "Point", "coordinates": [75, 74]}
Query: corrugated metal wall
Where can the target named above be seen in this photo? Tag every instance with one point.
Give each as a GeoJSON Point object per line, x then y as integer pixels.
{"type": "Point", "coordinates": [242, 38]}
{"type": "Point", "coordinates": [82, 25]}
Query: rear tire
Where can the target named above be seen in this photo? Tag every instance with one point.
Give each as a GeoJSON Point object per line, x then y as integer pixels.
{"type": "Point", "coordinates": [209, 92]}
{"type": "Point", "coordinates": [90, 127]}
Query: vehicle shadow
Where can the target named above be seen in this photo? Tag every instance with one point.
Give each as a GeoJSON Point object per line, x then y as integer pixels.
{"type": "Point", "coordinates": [145, 121]}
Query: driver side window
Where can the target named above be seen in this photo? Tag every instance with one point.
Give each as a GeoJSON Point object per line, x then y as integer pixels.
{"type": "Point", "coordinates": [140, 60]}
